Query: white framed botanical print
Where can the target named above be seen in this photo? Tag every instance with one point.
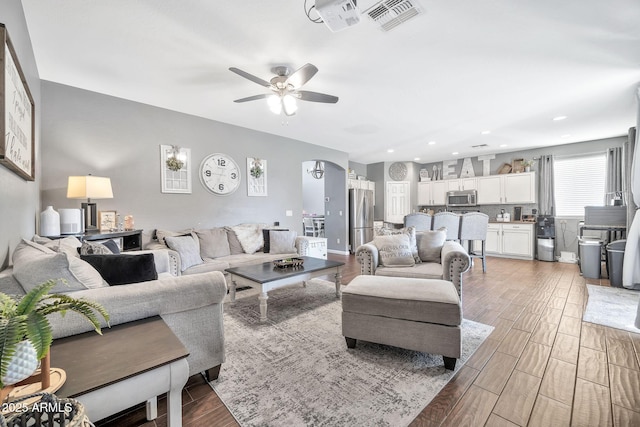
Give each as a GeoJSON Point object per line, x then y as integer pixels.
{"type": "Point", "coordinates": [175, 169]}
{"type": "Point", "coordinates": [256, 176]}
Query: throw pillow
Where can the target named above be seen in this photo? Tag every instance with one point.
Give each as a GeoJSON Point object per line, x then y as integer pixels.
{"type": "Point", "coordinates": [161, 234]}
{"type": "Point", "coordinates": [267, 238]}
{"type": "Point", "coordinates": [75, 274]}
{"type": "Point", "coordinates": [411, 232]}
{"type": "Point", "coordinates": [234, 244]}
{"type": "Point", "coordinates": [282, 241]}
{"type": "Point", "coordinates": [430, 244]}
{"type": "Point", "coordinates": [94, 248]}
{"type": "Point", "coordinates": [394, 250]}
{"type": "Point", "coordinates": [112, 245]}
{"type": "Point", "coordinates": [250, 236]}
{"type": "Point", "coordinates": [213, 243]}
{"type": "Point", "coordinates": [187, 247]}
{"type": "Point", "coordinates": [68, 244]}
{"type": "Point", "coordinates": [122, 269]}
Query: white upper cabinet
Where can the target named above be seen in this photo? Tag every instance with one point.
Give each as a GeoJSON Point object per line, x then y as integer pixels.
{"type": "Point", "coordinates": [507, 189]}
{"type": "Point", "coordinates": [432, 193]}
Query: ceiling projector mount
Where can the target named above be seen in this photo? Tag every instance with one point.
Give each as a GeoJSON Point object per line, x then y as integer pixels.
{"type": "Point", "coordinates": [285, 88]}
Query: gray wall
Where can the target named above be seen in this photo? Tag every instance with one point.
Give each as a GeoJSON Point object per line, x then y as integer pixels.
{"type": "Point", "coordinates": [19, 201]}
{"type": "Point", "coordinates": [90, 133]}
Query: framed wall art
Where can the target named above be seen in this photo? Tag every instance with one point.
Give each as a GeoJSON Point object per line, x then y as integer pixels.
{"type": "Point", "coordinates": [256, 177]}
{"type": "Point", "coordinates": [175, 169]}
{"type": "Point", "coordinates": [17, 148]}
{"type": "Point", "coordinates": [107, 221]}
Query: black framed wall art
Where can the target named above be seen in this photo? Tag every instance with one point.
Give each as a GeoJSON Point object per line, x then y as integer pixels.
{"type": "Point", "coordinates": [17, 149]}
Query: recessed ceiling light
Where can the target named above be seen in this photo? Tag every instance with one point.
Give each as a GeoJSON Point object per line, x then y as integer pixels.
{"type": "Point", "coordinates": [565, 136]}
{"type": "Point", "coordinates": [504, 145]}
{"type": "Point", "coordinates": [432, 143]}
{"type": "Point", "coordinates": [485, 132]}
{"type": "Point", "coordinates": [416, 159]}
{"type": "Point", "coordinates": [455, 153]}
{"type": "Point", "coordinates": [558, 118]}
{"type": "Point", "coordinates": [390, 150]}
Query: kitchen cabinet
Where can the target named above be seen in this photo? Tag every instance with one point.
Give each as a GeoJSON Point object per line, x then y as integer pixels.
{"type": "Point", "coordinates": [510, 240]}
{"type": "Point", "coordinates": [507, 189]}
{"type": "Point", "coordinates": [365, 185]}
{"type": "Point", "coordinates": [432, 193]}
{"type": "Point", "coordinates": [462, 184]}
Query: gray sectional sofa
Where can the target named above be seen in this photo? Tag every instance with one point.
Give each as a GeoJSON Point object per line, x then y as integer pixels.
{"type": "Point", "coordinates": [190, 305]}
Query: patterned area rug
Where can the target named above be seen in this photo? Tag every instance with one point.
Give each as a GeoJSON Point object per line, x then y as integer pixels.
{"type": "Point", "coordinates": [295, 370]}
{"type": "Point", "coordinates": [613, 307]}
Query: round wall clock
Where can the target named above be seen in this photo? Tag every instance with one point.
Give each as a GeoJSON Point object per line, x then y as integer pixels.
{"type": "Point", "coordinates": [398, 171]}
{"type": "Point", "coordinates": [220, 174]}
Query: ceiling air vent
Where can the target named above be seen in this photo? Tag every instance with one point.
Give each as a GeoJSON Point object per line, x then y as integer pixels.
{"type": "Point", "coordinates": [391, 13]}
{"type": "Point", "coordinates": [480, 146]}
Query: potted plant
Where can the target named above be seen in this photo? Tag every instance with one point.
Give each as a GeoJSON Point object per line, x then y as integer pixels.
{"type": "Point", "coordinates": [25, 333]}
{"type": "Point", "coordinates": [527, 165]}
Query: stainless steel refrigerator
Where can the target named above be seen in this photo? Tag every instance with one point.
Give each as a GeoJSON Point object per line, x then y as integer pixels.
{"type": "Point", "coordinates": [360, 217]}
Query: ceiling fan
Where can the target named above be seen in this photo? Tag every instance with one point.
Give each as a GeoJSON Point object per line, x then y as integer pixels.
{"type": "Point", "coordinates": [286, 88]}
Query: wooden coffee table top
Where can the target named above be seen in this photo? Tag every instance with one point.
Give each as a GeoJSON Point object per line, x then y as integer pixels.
{"type": "Point", "coordinates": [93, 361]}
{"type": "Point", "coordinates": [267, 272]}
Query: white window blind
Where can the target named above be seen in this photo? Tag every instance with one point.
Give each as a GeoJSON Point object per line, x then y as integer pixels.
{"type": "Point", "coordinates": [578, 182]}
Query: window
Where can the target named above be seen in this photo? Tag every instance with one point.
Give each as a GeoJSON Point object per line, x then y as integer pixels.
{"type": "Point", "coordinates": [578, 182]}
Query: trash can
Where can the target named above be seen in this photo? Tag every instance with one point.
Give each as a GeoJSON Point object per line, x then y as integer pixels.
{"type": "Point", "coordinates": [615, 257]}
{"type": "Point", "coordinates": [590, 257]}
{"type": "Point", "coordinates": [546, 249]}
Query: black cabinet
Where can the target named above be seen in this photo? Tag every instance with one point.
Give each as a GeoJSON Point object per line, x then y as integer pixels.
{"type": "Point", "coordinates": [129, 240]}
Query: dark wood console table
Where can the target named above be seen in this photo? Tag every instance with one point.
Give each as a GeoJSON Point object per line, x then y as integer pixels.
{"type": "Point", "coordinates": [131, 239]}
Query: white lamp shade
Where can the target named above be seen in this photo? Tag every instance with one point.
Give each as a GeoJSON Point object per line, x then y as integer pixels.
{"type": "Point", "coordinates": [89, 187]}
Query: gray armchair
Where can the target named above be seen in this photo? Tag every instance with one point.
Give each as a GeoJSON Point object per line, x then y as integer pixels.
{"type": "Point", "coordinates": [454, 261]}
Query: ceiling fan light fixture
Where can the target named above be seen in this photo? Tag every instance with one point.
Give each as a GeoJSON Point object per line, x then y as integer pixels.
{"type": "Point", "coordinates": [274, 104]}
{"type": "Point", "coordinates": [290, 105]}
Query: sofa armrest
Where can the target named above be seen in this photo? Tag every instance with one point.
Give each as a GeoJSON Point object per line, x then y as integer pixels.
{"type": "Point", "coordinates": [126, 303]}
{"type": "Point", "coordinates": [455, 261]}
{"type": "Point", "coordinates": [302, 245]}
{"type": "Point", "coordinates": [367, 256]}
{"type": "Point", "coordinates": [166, 260]}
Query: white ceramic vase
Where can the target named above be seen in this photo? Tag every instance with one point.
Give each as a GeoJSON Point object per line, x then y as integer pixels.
{"type": "Point", "coordinates": [23, 364]}
{"type": "Point", "coordinates": [49, 222]}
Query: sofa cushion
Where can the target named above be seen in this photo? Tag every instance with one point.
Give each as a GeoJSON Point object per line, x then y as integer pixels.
{"type": "Point", "coordinates": [69, 244]}
{"type": "Point", "coordinates": [430, 244]}
{"type": "Point", "coordinates": [425, 270]}
{"type": "Point", "coordinates": [75, 273]}
{"type": "Point", "coordinates": [188, 248]}
{"type": "Point", "coordinates": [282, 241]}
{"type": "Point", "coordinates": [213, 243]}
{"type": "Point", "coordinates": [395, 250]}
{"type": "Point", "coordinates": [26, 251]}
{"type": "Point", "coordinates": [208, 264]}
{"type": "Point", "coordinates": [409, 231]}
{"type": "Point", "coordinates": [123, 269]}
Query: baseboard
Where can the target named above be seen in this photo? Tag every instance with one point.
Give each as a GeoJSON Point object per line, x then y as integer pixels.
{"type": "Point", "coordinates": [335, 251]}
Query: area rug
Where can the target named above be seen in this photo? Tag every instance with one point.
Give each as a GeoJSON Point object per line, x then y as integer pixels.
{"type": "Point", "coordinates": [295, 369]}
{"type": "Point", "coordinates": [613, 307]}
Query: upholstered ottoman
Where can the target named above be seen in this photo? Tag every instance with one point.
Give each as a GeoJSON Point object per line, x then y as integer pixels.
{"type": "Point", "coordinates": [416, 314]}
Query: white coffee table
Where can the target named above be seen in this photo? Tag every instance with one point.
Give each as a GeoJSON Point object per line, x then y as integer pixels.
{"type": "Point", "coordinates": [266, 277]}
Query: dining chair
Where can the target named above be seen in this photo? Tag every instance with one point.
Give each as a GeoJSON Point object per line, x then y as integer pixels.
{"type": "Point", "coordinates": [309, 227]}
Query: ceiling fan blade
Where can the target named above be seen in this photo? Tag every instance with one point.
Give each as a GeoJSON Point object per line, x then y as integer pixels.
{"type": "Point", "coordinates": [250, 77]}
{"type": "Point", "coordinates": [302, 75]}
{"type": "Point", "coordinates": [306, 95]}
{"type": "Point", "coordinates": [252, 98]}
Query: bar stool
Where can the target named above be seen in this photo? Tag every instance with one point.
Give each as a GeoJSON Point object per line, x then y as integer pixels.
{"type": "Point", "coordinates": [449, 220]}
{"type": "Point", "coordinates": [309, 227]}
{"type": "Point", "coordinates": [473, 226]}
{"type": "Point", "coordinates": [421, 221]}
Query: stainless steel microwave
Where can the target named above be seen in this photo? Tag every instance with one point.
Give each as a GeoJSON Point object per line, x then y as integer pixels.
{"type": "Point", "coordinates": [462, 198]}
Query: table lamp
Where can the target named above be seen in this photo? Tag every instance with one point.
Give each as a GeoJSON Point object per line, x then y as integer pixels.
{"type": "Point", "coordinates": [89, 187]}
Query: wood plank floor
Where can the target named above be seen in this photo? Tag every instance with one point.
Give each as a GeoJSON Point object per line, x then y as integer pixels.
{"type": "Point", "coordinates": [541, 366]}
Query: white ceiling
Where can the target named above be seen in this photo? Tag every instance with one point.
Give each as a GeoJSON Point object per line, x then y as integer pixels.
{"type": "Point", "coordinates": [462, 67]}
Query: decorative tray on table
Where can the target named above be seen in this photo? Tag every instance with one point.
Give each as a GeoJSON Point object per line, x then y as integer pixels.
{"type": "Point", "coordinates": [288, 262]}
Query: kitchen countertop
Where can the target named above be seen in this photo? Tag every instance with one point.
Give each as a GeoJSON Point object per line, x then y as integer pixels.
{"type": "Point", "coordinates": [510, 222]}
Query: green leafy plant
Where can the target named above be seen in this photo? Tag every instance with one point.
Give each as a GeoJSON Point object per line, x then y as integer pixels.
{"type": "Point", "coordinates": [24, 318]}
{"type": "Point", "coordinates": [256, 170]}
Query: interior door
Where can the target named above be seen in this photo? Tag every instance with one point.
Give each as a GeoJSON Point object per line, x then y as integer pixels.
{"type": "Point", "coordinates": [397, 201]}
